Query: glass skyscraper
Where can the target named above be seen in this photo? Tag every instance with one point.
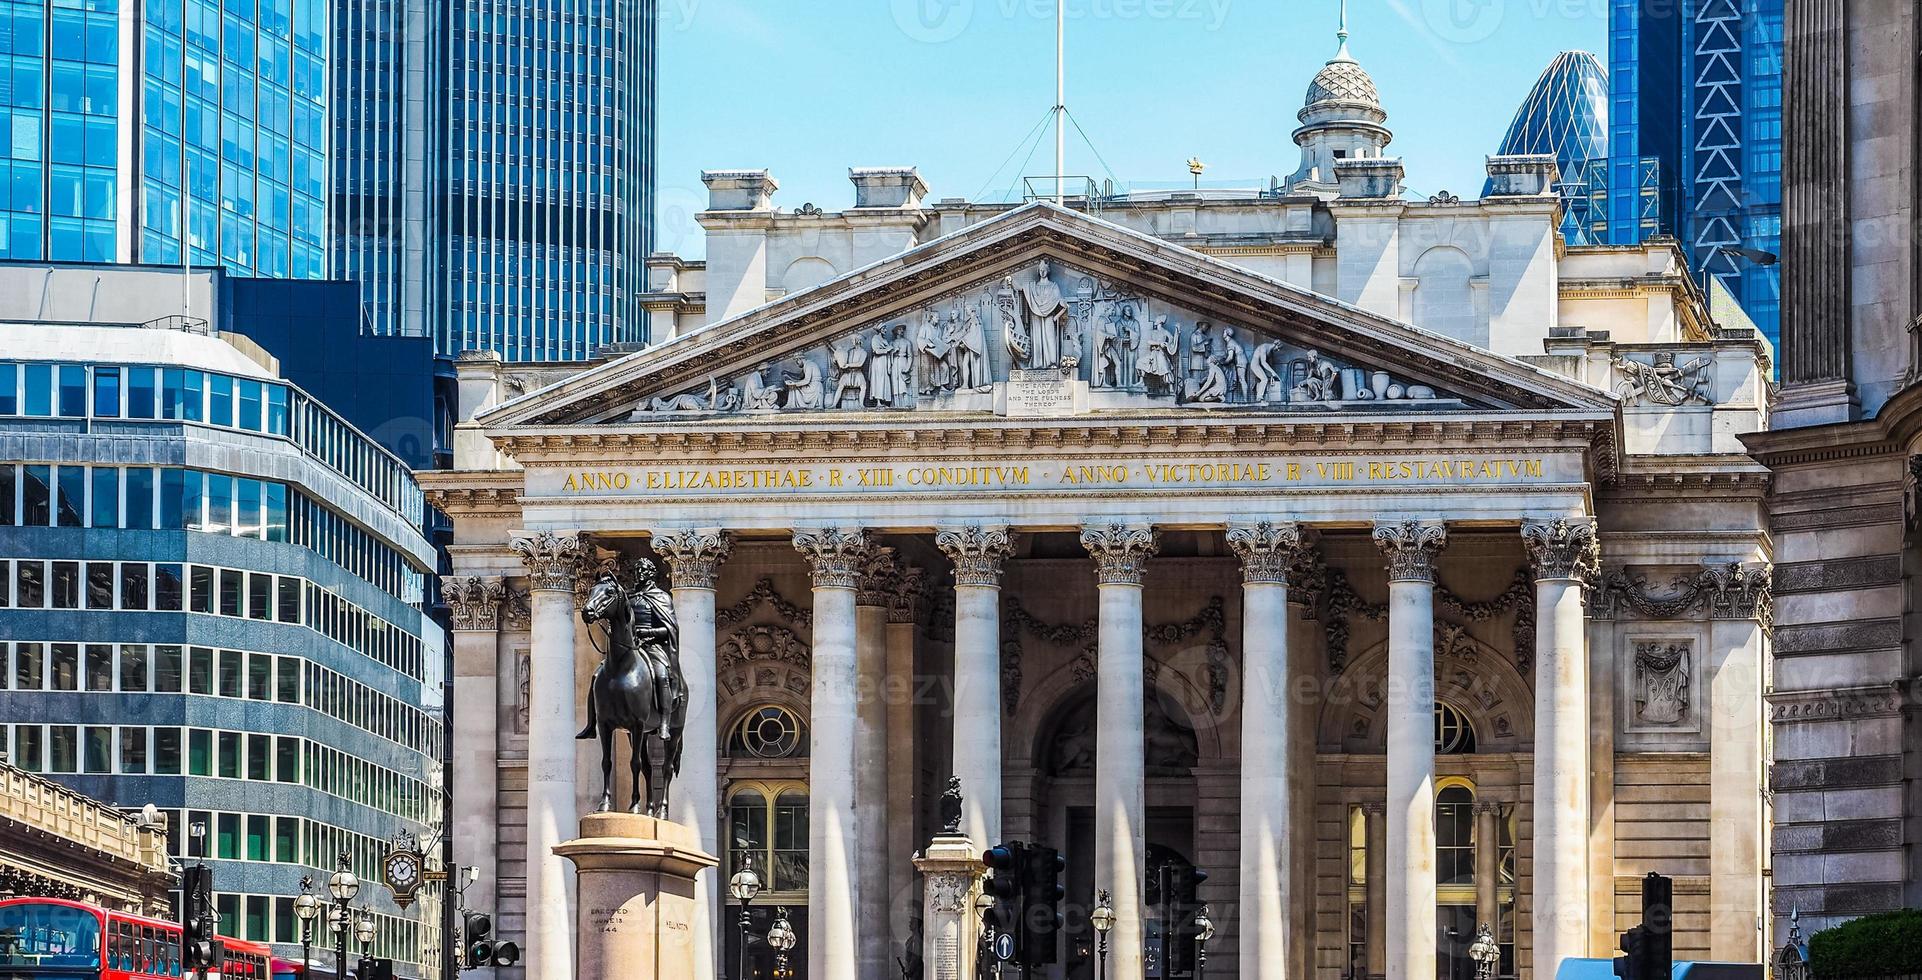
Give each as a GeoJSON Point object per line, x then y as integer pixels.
{"type": "Point", "coordinates": [114, 112]}
{"type": "Point", "coordinates": [389, 161]}
{"type": "Point", "coordinates": [550, 121]}
{"type": "Point", "coordinates": [1696, 138]}
{"type": "Point", "coordinates": [1565, 115]}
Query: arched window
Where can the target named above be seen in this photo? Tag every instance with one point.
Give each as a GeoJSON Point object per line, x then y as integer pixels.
{"type": "Point", "coordinates": [1455, 835]}
{"type": "Point", "coordinates": [768, 732]}
{"type": "Point", "coordinates": [768, 831]}
{"type": "Point", "coordinates": [1454, 733]}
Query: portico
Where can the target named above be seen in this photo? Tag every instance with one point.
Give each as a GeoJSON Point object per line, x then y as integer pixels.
{"type": "Point", "coordinates": [1316, 627]}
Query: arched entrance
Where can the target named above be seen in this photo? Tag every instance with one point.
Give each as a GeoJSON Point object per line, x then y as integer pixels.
{"type": "Point", "coordinates": [1064, 757]}
{"type": "Point", "coordinates": [1483, 725]}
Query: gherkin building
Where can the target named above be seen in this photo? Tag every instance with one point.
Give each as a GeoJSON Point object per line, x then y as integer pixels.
{"type": "Point", "coordinates": [1566, 115]}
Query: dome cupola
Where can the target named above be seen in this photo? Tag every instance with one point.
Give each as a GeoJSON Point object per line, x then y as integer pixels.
{"type": "Point", "coordinates": [1341, 117]}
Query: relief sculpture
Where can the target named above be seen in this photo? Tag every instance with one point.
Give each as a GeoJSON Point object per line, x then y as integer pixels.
{"type": "Point", "coordinates": [1661, 682]}
{"type": "Point", "coordinates": [1128, 349]}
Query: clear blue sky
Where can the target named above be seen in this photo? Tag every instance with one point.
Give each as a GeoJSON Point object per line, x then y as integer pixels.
{"type": "Point", "coordinates": [809, 88]}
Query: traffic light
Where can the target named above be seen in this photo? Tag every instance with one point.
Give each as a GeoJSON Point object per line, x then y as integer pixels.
{"type": "Point", "coordinates": [1006, 861]}
{"type": "Point", "coordinates": [476, 928]}
{"type": "Point", "coordinates": [1650, 947]}
{"type": "Point", "coordinates": [506, 954]}
{"type": "Point", "coordinates": [200, 950]}
{"type": "Point", "coordinates": [1041, 895]}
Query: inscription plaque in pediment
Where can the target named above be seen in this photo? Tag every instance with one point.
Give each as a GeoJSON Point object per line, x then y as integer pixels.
{"type": "Point", "coordinates": [1047, 340]}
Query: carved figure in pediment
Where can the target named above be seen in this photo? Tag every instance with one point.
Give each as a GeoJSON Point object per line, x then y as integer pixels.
{"type": "Point", "coordinates": [757, 395]}
{"type": "Point", "coordinates": [1215, 382]}
{"type": "Point", "coordinates": [1201, 347]}
{"type": "Point", "coordinates": [968, 340]}
{"type": "Point", "coordinates": [902, 364]}
{"type": "Point", "coordinates": [935, 353]}
{"type": "Point", "coordinates": [1261, 367]}
{"type": "Point", "coordinates": [1046, 314]}
{"type": "Point", "coordinates": [805, 390]}
{"type": "Point", "coordinates": [719, 398]}
{"type": "Point", "coordinates": [850, 373]}
{"type": "Point", "coordinates": [1320, 380]}
{"type": "Point", "coordinates": [880, 369]}
{"type": "Point", "coordinates": [1661, 682]}
{"type": "Point", "coordinates": [1234, 363]}
{"type": "Point", "coordinates": [1117, 341]}
{"type": "Point", "coordinates": [1158, 353]}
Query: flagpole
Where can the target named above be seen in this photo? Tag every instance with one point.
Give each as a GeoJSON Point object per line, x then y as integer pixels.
{"type": "Point", "coordinates": [1060, 98]}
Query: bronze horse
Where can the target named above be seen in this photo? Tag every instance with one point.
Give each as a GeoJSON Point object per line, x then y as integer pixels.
{"type": "Point", "coordinates": [638, 688]}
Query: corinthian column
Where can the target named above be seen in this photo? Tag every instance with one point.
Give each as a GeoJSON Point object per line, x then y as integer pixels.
{"type": "Point", "coordinates": [879, 579]}
{"type": "Point", "coordinates": [474, 602]}
{"type": "Point", "coordinates": [903, 761]}
{"type": "Point", "coordinates": [1266, 551]}
{"type": "Point", "coordinates": [1410, 547]}
{"type": "Point", "coordinates": [977, 553]}
{"type": "Point", "coordinates": [694, 557]}
{"type": "Point", "coordinates": [1565, 553]}
{"type": "Point", "coordinates": [1121, 553]}
{"type": "Point", "coordinates": [553, 561]}
{"type": "Point", "coordinates": [838, 557]}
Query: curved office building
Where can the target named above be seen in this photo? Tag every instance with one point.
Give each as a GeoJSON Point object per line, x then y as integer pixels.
{"type": "Point", "coordinates": [1565, 115]}
{"type": "Point", "coordinates": [211, 600]}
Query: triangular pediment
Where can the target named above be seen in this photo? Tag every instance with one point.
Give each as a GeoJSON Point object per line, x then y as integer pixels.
{"type": "Point", "coordinates": [1047, 311]}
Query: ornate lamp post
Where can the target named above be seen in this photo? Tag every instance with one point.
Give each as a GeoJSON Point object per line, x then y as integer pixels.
{"type": "Point", "coordinates": [343, 886]}
{"type": "Point", "coordinates": [364, 931]}
{"type": "Point", "coordinates": [744, 886]}
{"type": "Point", "coordinates": [984, 962]}
{"type": "Point", "coordinates": [1204, 931]}
{"type": "Point", "coordinates": [1485, 953]}
{"type": "Point", "coordinates": [781, 938]}
{"type": "Point", "coordinates": [306, 910]}
{"type": "Point", "coordinates": [1103, 920]}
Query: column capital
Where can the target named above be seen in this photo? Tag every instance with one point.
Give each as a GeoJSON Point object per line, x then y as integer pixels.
{"type": "Point", "coordinates": [880, 577]}
{"type": "Point", "coordinates": [977, 551]}
{"type": "Point", "coordinates": [693, 554]}
{"type": "Point", "coordinates": [474, 600]}
{"type": "Point", "coordinates": [553, 558]}
{"type": "Point", "coordinates": [1411, 547]}
{"type": "Point", "coordinates": [906, 600]}
{"type": "Point", "coordinates": [1488, 806]}
{"type": "Point", "coordinates": [1267, 549]}
{"type": "Point", "coordinates": [1563, 549]}
{"type": "Point", "coordinates": [1739, 591]}
{"type": "Point", "coordinates": [1374, 809]}
{"type": "Point", "coordinates": [1120, 550]}
{"type": "Point", "coordinates": [837, 555]}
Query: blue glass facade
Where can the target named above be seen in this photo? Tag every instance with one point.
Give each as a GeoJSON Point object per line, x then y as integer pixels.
{"type": "Point", "coordinates": [1566, 115]}
{"type": "Point", "coordinates": [212, 600]}
{"type": "Point", "coordinates": [1696, 138]}
{"type": "Point", "coordinates": [550, 175]}
{"type": "Point", "coordinates": [124, 120]}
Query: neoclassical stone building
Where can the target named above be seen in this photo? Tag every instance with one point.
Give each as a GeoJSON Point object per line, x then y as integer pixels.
{"type": "Point", "coordinates": [1387, 560]}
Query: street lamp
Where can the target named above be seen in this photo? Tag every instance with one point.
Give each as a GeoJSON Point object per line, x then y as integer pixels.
{"type": "Point", "coordinates": [343, 886]}
{"type": "Point", "coordinates": [1204, 931]}
{"type": "Point", "coordinates": [983, 950]}
{"type": "Point", "coordinates": [1103, 919]}
{"type": "Point", "coordinates": [306, 910]}
{"type": "Point", "coordinates": [744, 886]}
{"type": "Point", "coordinates": [364, 930]}
{"type": "Point", "coordinates": [1485, 953]}
{"type": "Point", "coordinates": [781, 937]}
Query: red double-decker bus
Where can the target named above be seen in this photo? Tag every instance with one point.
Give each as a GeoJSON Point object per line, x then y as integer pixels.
{"type": "Point", "coordinates": [57, 939]}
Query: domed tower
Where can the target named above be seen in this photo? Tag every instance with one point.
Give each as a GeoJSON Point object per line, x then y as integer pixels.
{"type": "Point", "coordinates": [1341, 118]}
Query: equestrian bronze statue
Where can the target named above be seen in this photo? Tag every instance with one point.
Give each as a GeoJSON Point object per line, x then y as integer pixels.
{"type": "Point", "coordinates": [638, 687]}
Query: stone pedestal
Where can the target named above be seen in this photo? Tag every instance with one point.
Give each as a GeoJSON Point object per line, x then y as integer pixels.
{"type": "Point", "coordinates": [950, 930]}
{"type": "Point", "coordinates": [638, 909]}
